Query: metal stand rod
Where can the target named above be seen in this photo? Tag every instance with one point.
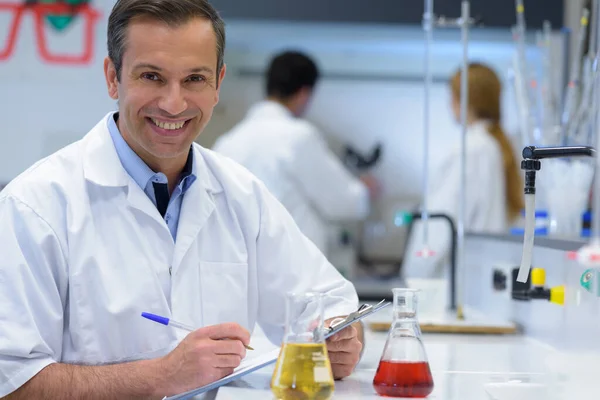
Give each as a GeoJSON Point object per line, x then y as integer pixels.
{"type": "Point", "coordinates": [464, 22]}
{"type": "Point", "coordinates": [428, 27]}
{"type": "Point", "coordinates": [464, 101]}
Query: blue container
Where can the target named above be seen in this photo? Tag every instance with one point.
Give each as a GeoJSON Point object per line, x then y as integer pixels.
{"type": "Point", "coordinates": [541, 231]}
{"type": "Point", "coordinates": [541, 224]}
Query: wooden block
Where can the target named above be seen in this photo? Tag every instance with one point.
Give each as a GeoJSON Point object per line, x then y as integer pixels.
{"type": "Point", "coordinates": [450, 328]}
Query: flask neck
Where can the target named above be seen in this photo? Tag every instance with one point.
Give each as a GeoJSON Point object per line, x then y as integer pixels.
{"type": "Point", "coordinates": [405, 304]}
{"type": "Point", "coordinates": [402, 315]}
{"type": "Point", "coordinates": [409, 327]}
{"type": "Point", "coordinates": [405, 311]}
{"type": "Point", "coordinates": [304, 318]}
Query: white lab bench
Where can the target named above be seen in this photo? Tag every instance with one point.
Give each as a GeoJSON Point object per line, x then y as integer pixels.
{"type": "Point", "coordinates": [470, 367]}
{"type": "Point", "coordinates": [461, 365]}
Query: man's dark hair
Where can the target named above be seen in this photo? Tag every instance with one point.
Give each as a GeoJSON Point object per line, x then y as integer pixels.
{"type": "Point", "coordinates": [171, 12]}
{"type": "Point", "coordinates": [289, 72]}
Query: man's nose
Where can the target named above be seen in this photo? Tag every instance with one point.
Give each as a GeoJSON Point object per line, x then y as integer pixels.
{"type": "Point", "coordinates": [173, 101]}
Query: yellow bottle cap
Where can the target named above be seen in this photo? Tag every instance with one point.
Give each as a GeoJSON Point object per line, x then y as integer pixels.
{"type": "Point", "coordinates": [584, 21]}
{"type": "Point", "coordinates": [557, 295]}
{"type": "Point", "coordinates": [538, 277]}
{"type": "Point", "coordinates": [520, 8]}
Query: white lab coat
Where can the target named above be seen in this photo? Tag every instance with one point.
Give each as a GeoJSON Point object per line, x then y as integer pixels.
{"type": "Point", "coordinates": [292, 159]}
{"type": "Point", "coordinates": [485, 209]}
{"type": "Point", "coordinates": [85, 252]}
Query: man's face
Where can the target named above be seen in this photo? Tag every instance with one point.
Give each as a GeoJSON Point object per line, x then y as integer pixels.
{"type": "Point", "coordinates": [168, 87]}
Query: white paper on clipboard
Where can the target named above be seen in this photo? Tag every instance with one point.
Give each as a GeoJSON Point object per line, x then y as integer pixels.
{"type": "Point", "coordinates": [253, 363]}
{"type": "Point", "coordinates": [363, 311]}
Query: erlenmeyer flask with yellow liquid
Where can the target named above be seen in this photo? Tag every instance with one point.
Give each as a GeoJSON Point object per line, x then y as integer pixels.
{"type": "Point", "coordinates": [404, 368]}
{"type": "Point", "coordinates": [303, 369]}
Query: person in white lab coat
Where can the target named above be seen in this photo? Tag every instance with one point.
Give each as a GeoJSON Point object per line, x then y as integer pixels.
{"type": "Point", "coordinates": [494, 185]}
{"type": "Point", "coordinates": [134, 218]}
{"type": "Point", "coordinates": [289, 155]}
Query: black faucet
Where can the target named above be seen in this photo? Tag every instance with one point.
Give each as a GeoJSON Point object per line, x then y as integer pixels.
{"type": "Point", "coordinates": [532, 156]}
{"type": "Point", "coordinates": [450, 221]}
{"type": "Point", "coordinates": [398, 262]}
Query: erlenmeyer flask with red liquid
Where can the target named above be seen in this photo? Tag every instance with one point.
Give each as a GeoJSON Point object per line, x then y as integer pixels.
{"type": "Point", "coordinates": [404, 368]}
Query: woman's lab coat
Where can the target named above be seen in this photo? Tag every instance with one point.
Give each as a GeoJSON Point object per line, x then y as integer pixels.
{"type": "Point", "coordinates": [85, 252]}
{"type": "Point", "coordinates": [291, 158]}
{"type": "Point", "coordinates": [485, 209]}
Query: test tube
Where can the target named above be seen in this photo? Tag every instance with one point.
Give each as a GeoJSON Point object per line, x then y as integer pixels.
{"type": "Point", "coordinates": [574, 82]}
{"type": "Point", "coordinates": [519, 33]}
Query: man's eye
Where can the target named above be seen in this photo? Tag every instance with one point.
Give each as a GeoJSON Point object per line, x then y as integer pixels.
{"type": "Point", "coordinates": [150, 76]}
{"type": "Point", "coordinates": [196, 78]}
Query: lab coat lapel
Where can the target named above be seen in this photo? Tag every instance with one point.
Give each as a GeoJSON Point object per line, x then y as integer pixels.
{"type": "Point", "coordinates": [103, 167]}
{"type": "Point", "coordinates": [196, 208]}
{"type": "Point", "coordinates": [138, 200]}
{"type": "Point", "coordinates": [101, 164]}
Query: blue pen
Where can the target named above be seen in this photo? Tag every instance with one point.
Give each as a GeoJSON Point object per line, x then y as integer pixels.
{"type": "Point", "coordinates": [175, 324]}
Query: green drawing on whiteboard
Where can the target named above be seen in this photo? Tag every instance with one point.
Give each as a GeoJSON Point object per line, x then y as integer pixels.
{"type": "Point", "coordinates": [61, 22]}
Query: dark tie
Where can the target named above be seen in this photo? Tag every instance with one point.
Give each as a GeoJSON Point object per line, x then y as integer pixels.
{"type": "Point", "coordinates": [161, 191]}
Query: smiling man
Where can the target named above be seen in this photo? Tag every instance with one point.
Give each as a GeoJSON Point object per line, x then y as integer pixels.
{"type": "Point", "coordinates": [137, 217]}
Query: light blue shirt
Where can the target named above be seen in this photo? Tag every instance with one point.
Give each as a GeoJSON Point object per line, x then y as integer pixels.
{"type": "Point", "coordinates": [145, 177]}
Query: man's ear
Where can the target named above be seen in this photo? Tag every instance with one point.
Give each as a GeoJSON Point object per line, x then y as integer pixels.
{"type": "Point", "coordinates": [110, 73]}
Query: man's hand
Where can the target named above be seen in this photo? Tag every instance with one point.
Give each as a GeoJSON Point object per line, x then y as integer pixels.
{"type": "Point", "coordinates": [202, 357]}
{"type": "Point", "coordinates": [344, 349]}
{"type": "Point", "coordinates": [199, 359]}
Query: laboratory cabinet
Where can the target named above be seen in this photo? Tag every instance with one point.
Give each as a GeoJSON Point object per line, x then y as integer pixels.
{"type": "Point", "coordinates": [494, 14]}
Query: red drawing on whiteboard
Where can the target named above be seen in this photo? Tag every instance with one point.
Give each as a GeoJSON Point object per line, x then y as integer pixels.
{"type": "Point", "coordinates": [40, 12]}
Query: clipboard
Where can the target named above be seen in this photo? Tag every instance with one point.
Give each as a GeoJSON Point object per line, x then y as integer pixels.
{"type": "Point", "coordinates": [255, 363]}
{"type": "Point", "coordinates": [363, 311]}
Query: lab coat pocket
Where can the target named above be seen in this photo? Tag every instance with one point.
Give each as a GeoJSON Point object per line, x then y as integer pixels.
{"type": "Point", "coordinates": [224, 291]}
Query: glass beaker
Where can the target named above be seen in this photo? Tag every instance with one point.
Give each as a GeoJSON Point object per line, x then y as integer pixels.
{"type": "Point", "coordinates": [303, 369]}
{"type": "Point", "coordinates": [404, 368]}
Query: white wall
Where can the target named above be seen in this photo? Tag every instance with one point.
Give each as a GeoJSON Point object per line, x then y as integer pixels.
{"type": "Point", "coordinates": [572, 329]}
{"type": "Point", "coordinates": [45, 107]}
{"type": "Point", "coordinates": [385, 105]}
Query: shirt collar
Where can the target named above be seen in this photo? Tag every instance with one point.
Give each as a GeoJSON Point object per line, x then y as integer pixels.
{"type": "Point", "coordinates": [136, 167]}
{"type": "Point", "coordinates": [187, 175]}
